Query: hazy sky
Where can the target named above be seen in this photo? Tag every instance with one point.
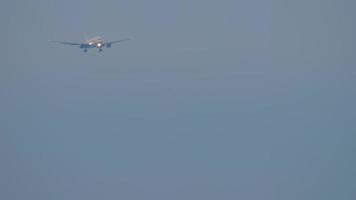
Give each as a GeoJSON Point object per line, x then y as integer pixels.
{"type": "Point", "coordinates": [229, 99]}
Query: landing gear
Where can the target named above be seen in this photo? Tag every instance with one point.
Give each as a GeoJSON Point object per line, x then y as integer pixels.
{"type": "Point", "coordinates": [85, 50]}
{"type": "Point", "coordinates": [100, 50]}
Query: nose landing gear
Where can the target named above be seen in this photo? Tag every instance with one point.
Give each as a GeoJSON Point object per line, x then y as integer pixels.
{"type": "Point", "coordinates": [85, 50]}
{"type": "Point", "coordinates": [100, 50]}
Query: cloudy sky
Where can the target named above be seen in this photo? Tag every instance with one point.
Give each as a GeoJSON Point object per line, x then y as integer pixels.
{"type": "Point", "coordinates": [229, 99]}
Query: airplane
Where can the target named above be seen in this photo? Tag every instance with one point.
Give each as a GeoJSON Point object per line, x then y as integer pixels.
{"type": "Point", "coordinates": [95, 42]}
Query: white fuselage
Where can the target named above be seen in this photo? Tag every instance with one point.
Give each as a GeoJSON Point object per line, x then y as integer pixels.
{"type": "Point", "coordinates": [95, 42]}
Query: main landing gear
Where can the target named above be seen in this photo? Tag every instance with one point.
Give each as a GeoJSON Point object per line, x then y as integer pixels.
{"type": "Point", "coordinates": [86, 50]}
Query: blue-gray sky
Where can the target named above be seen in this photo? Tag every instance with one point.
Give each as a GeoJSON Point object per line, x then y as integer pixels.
{"type": "Point", "coordinates": [248, 99]}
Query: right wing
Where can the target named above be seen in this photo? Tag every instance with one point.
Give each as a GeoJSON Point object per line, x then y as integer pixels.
{"type": "Point", "coordinates": [118, 41]}
{"type": "Point", "coordinates": [69, 43]}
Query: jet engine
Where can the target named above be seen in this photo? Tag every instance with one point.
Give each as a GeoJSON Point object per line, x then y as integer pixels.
{"type": "Point", "coordinates": [99, 45]}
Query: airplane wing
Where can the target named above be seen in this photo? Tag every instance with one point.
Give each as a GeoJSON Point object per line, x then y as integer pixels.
{"type": "Point", "coordinates": [117, 41]}
{"type": "Point", "coordinates": [69, 43]}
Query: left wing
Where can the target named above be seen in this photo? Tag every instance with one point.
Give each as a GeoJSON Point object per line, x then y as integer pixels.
{"type": "Point", "coordinates": [69, 43]}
